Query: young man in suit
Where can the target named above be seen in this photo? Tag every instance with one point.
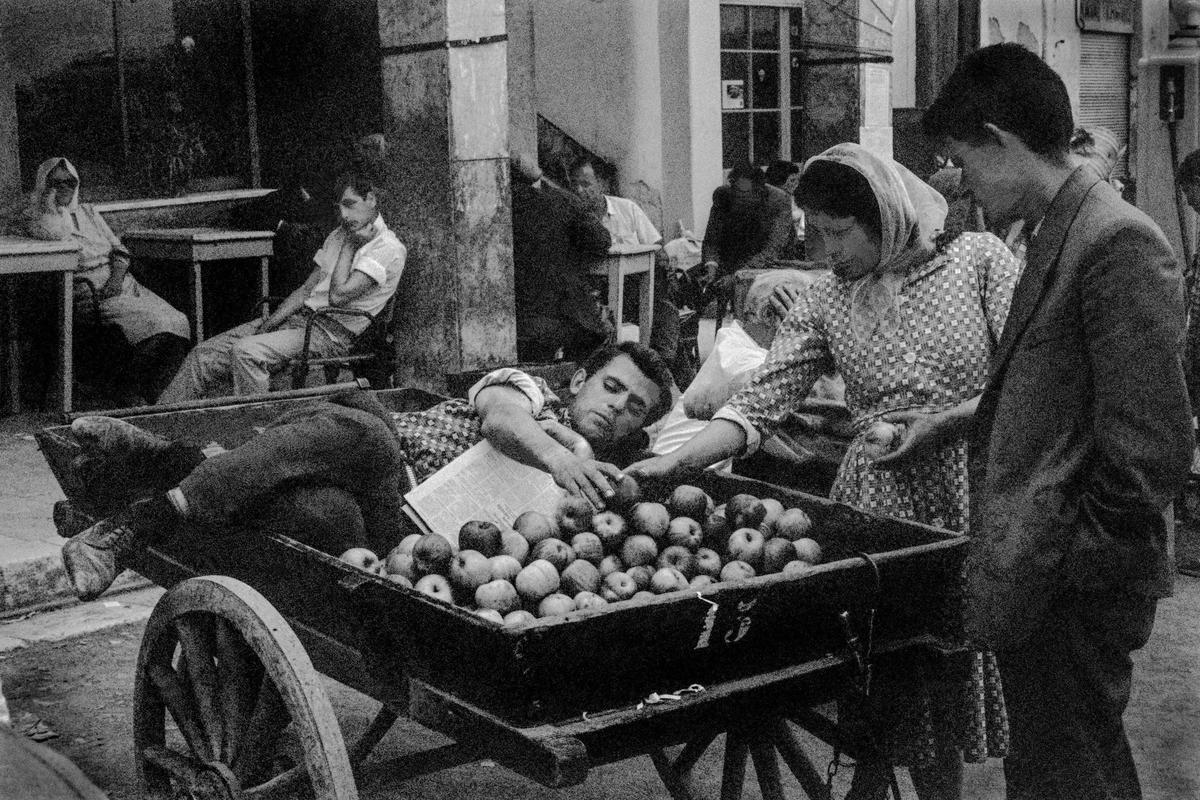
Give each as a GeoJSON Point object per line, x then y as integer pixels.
{"type": "Point", "coordinates": [1080, 440]}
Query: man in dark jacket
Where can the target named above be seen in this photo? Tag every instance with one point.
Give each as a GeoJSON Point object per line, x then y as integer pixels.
{"type": "Point", "coordinates": [553, 240]}
{"type": "Point", "coordinates": [1080, 440]}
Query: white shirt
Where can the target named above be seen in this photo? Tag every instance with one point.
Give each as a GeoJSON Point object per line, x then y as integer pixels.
{"type": "Point", "coordinates": [381, 259]}
{"type": "Point", "coordinates": [627, 223]}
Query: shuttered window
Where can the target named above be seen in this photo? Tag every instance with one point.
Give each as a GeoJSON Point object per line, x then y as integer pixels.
{"type": "Point", "coordinates": [1104, 87]}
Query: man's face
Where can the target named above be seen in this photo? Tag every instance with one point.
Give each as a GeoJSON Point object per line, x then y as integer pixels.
{"type": "Point", "coordinates": [742, 187]}
{"type": "Point", "coordinates": [1191, 193]}
{"type": "Point", "coordinates": [613, 402]}
{"type": "Point", "coordinates": [356, 212]}
{"type": "Point", "coordinates": [852, 248]}
{"type": "Point", "coordinates": [995, 175]}
{"type": "Point", "coordinates": [63, 184]}
{"type": "Point", "coordinates": [585, 184]}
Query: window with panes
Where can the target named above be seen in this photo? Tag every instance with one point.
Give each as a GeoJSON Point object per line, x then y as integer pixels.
{"type": "Point", "coordinates": [762, 87]}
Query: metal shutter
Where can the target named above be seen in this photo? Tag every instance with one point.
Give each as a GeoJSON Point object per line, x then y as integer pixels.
{"type": "Point", "coordinates": [1104, 87]}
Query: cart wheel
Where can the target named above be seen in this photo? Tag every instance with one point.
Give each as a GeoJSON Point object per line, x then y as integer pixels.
{"type": "Point", "coordinates": [228, 670]}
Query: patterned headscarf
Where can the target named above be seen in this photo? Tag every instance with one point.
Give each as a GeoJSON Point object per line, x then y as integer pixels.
{"type": "Point", "coordinates": [910, 215]}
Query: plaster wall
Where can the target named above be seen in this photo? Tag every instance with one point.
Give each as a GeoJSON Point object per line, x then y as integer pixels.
{"type": "Point", "coordinates": [1046, 27]}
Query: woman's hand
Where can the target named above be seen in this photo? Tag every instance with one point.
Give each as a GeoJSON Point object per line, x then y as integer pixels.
{"type": "Point", "coordinates": [923, 433]}
{"type": "Point", "coordinates": [584, 477]}
{"type": "Point", "coordinates": [656, 467]}
{"type": "Point", "coordinates": [783, 298]}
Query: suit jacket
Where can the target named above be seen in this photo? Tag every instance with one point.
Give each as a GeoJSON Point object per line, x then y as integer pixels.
{"type": "Point", "coordinates": [749, 235]}
{"type": "Point", "coordinates": [1083, 434]}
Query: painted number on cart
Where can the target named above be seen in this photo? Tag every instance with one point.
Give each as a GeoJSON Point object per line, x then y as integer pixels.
{"type": "Point", "coordinates": [739, 629]}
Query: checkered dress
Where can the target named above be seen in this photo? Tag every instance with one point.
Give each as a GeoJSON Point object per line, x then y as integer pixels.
{"type": "Point", "coordinates": [951, 313]}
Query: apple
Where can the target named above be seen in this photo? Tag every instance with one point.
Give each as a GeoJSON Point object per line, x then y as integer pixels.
{"type": "Point", "coordinates": [580, 576]}
{"type": "Point", "coordinates": [808, 550]}
{"type": "Point", "coordinates": [690, 501]}
{"type": "Point", "coordinates": [469, 570]}
{"type": "Point", "coordinates": [618, 586]}
{"type": "Point", "coordinates": [668, 579]}
{"type": "Point", "coordinates": [641, 575]}
{"type": "Point", "coordinates": [536, 580]}
{"type": "Point", "coordinates": [793, 524]}
{"type": "Point", "coordinates": [639, 549]}
{"type": "Point", "coordinates": [498, 594]}
{"type": "Point", "coordinates": [399, 579]}
{"type": "Point", "coordinates": [715, 531]}
{"type": "Point", "coordinates": [776, 553]}
{"type": "Point", "coordinates": [611, 529]}
{"type": "Point", "coordinates": [746, 544]}
{"type": "Point", "coordinates": [361, 557]}
{"type": "Point", "coordinates": [794, 569]}
{"type": "Point", "coordinates": [643, 595]}
{"type": "Point", "coordinates": [408, 543]}
{"type": "Point", "coordinates": [574, 514]}
{"type": "Point", "coordinates": [737, 571]}
{"type": "Point", "coordinates": [515, 545]}
{"type": "Point", "coordinates": [745, 511]}
{"type": "Point", "coordinates": [587, 546]}
{"type": "Point", "coordinates": [490, 614]}
{"type": "Point", "coordinates": [701, 582]}
{"type": "Point", "coordinates": [380, 569]}
{"type": "Point", "coordinates": [556, 551]}
{"type": "Point", "coordinates": [436, 586]}
{"type": "Point", "coordinates": [504, 567]}
{"type": "Point", "coordinates": [483, 537]}
{"type": "Point", "coordinates": [554, 605]}
{"type": "Point", "coordinates": [650, 519]}
{"type": "Point", "coordinates": [585, 600]}
{"type": "Point", "coordinates": [401, 564]}
{"type": "Point", "coordinates": [432, 554]}
{"type": "Point", "coordinates": [626, 493]}
{"type": "Point", "coordinates": [708, 562]}
{"type": "Point", "coordinates": [679, 558]}
{"type": "Point", "coordinates": [686, 532]}
{"type": "Point", "coordinates": [767, 526]}
{"type": "Point", "coordinates": [610, 564]}
{"type": "Point", "coordinates": [534, 527]}
{"type": "Point", "coordinates": [515, 619]}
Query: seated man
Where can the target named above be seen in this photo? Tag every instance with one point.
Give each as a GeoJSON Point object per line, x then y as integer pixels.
{"type": "Point", "coordinates": [358, 267]}
{"type": "Point", "coordinates": [352, 454]}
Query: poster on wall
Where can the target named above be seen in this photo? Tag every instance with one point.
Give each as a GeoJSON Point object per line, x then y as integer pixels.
{"type": "Point", "coordinates": [733, 94]}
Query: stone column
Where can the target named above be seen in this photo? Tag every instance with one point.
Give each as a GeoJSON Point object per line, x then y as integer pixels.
{"type": "Point", "coordinates": [447, 193]}
{"type": "Point", "coordinates": [10, 161]}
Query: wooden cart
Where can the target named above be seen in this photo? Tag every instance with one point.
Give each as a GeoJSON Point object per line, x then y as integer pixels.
{"type": "Point", "coordinates": [231, 654]}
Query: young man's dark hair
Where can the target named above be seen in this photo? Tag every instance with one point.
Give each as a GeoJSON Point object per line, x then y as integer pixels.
{"type": "Point", "coordinates": [358, 182]}
{"type": "Point", "coordinates": [747, 170]}
{"type": "Point", "coordinates": [1189, 169]}
{"type": "Point", "coordinates": [1011, 88]}
{"type": "Point", "coordinates": [648, 361]}
{"type": "Point", "coordinates": [779, 171]}
{"type": "Point", "coordinates": [839, 191]}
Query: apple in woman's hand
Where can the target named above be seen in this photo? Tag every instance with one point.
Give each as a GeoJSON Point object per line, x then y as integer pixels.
{"type": "Point", "coordinates": [746, 544]}
{"type": "Point", "coordinates": [361, 557]}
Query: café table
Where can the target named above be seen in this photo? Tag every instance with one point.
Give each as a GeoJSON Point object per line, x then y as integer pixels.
{"type": "Point", "coordinates": [622, 261]}
{"type": "Point", "coordinates": [197, 247]}
{"type": "Point", "coordinates": [20, 256]}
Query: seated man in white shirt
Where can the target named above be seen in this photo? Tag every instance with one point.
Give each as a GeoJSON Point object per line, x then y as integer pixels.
{"type": "Point", "coordinates": [358, 267]}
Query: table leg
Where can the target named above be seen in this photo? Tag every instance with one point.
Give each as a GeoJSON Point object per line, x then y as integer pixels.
{"type": "Point", "coordinates": [646, 304]}
{"type": "Point", "coordinates": [12, 352]}
{"type": "Point", "coordinates": [197, 302]}
{"type": "Point", "coordinates": [616, 292]}
{"type": "Point", "coordinates": [264, 288]}
{"type": "Point", "coordinates": [66, 341]}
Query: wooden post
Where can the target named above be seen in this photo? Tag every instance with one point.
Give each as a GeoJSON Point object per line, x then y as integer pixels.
{"type": "Point", "coordinates": [251, 95]}
{"type": "Point", "coordinates": [118, 55]}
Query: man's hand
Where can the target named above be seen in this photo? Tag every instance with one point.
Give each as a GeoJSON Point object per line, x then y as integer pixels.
{"type": "Point", "coordinates": [710, 273]}
{"type": "Point", "coordinates": [585, 477]}
{"type": "Point", "coordinates": [923, 433]}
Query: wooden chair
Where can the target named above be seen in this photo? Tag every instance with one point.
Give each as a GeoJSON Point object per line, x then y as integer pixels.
{"type": "Point", "coordinates": [372, 354]}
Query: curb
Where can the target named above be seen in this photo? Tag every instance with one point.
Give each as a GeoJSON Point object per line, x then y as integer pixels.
{"type": "Point", "coordinates": [40, 584]}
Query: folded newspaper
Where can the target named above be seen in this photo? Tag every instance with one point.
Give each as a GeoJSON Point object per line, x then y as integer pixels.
{"type": "Point", "coordinates": [481, 484]}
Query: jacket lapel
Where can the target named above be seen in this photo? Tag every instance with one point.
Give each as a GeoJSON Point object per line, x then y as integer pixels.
{"type": "Point", "coordinates": [1041, 260]}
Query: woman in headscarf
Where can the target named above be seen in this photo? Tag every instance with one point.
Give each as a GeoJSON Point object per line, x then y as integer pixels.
{"type": "Point", "coordinates": [158, 333]}
{"type": "Point", "coordinates": [910, 325]}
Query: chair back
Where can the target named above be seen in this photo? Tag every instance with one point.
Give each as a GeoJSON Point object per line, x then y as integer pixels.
{"type": "Point", "coordinates": [379, 342]}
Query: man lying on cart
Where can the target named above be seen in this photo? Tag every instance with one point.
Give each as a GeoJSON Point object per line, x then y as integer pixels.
{"type": "Point", "coordinates": [331, 473]}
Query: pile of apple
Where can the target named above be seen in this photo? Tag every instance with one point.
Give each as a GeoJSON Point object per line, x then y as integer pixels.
{"type": "Point", "coordinates": [584, 559]}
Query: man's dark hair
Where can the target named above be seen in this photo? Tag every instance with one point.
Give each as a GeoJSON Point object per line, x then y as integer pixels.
{"type": "Point", "coordinates": [779, 171]}
{"type": "Point", "coordinates": [838, 190]}
{"type": "Point", "coordinates": [747, 170]}
{"type": "Point", "coordinates": [580, 163]}
{"type": "Point", "coordinates": [1189, 169]}
{"type": "Point", "coordinates": [647, 361]}
{"type": "Point", "coordinates": [1011, 88]}
{"type": "Point", "coordinates": [357, 182]}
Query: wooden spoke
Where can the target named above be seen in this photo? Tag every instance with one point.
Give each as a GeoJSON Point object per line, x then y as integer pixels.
{"type": "Point", "coordinates": [240, 674]}
{"type": "Point", "coordinates": [180, 767]}
{"type": "Point", "coordinates": [179, 702]}
{"type": "Point", "coordinates": [766, 767]}
{"type": "Point", "coordinates": [268, 720]}
{"type": "Point", "coordinates": [284, 780]}
{"type": "Point", "coordinates": [693, 750]}
{"type": "Point", "coordinates": [379, 727]}
{"type": "Point", "coordinates": [671, 778]}
{"type": "Point", "coordinates": [196, 662]}
{"type": "Point", "coordinates": [734, 774]}
{"type": "Point", "coordinates": [798, 762]}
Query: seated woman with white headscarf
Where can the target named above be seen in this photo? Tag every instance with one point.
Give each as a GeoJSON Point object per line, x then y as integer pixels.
{"type": "Point", "coordinates": [910, 325]}
{"type": "Point", "coordinates": [157, 332]}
